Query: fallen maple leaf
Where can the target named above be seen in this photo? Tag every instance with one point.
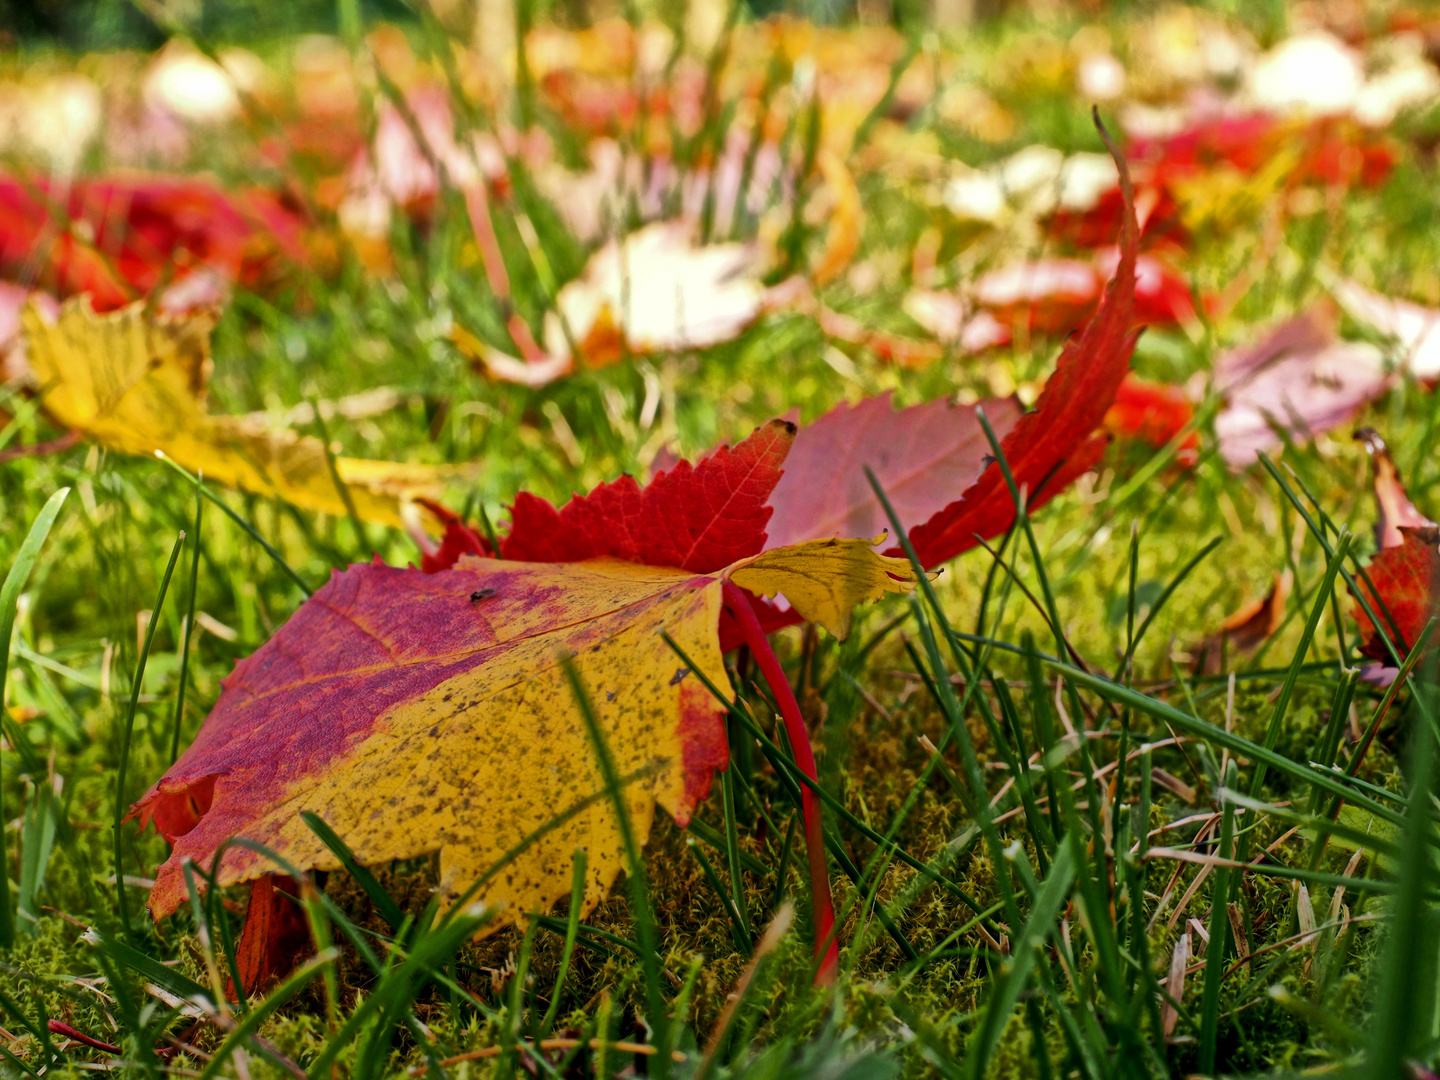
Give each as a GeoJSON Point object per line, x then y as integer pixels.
{"type": "Point", "coordinates": [419, 713]}
{"type": "Point", "coordinates": [135, 381]}
{"type": "Point", "coordinates": [1400, 581]}
{"type": "Point", "coordinates": [1247, 628]}
{"type": "Point", "coordinates": [120, 239]}
{"type": "Point", "coordinates": [1152, 414]}
{"type": "Point", "coordinates": [1299, 378]}
{"type": "Point", "coordinates": [657, 291]}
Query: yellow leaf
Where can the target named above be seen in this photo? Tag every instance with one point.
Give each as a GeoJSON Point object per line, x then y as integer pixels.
{"type": "Point", "coordinates": [135, 381]}
{"type": "Point", "coordinates": [419, 713]}
{"type": "Point", "coordinates": [825, 580]}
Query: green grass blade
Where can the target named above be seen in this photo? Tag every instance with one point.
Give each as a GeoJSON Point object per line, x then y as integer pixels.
{"type": "Point", "coordinates": [1015, 972]}
{"type": "Point", "coordinates": [37, 832]}
{"type": "Point", "coordinates": [189, 631]}
{"type": "Point", "coordinates": [9, 597]}
{"type": "Point", "coordinates": [645, 929]}
{"type": "Point", "coordinates": [732, 852]}
{"type": "Point", "coordinates": [1408, 966]}
{"type": "Point", "coordinates": [383, 901]}
{"type": "Point", "coordinates": [147, 967]}
{"type": "Point", "coordinates": [572, 931]}
{"type": "Point", "coordinates": [1215, 952]}
{"type": "Point", "coordinates": [128, 731]}
{"type": "Point", "coordinates": [1236, 744]}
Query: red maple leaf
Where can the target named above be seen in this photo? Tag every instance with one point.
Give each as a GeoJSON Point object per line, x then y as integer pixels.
{"type": "Point", "coordinates": [120, 239]}
{"type": "Point", "coordinates": [1402, 582]}
{"type": "Point", "coordinates": [699, 518]}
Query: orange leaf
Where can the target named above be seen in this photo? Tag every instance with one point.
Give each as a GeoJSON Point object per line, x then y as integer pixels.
{"type": "Point", "coordinates": [1247, 627]}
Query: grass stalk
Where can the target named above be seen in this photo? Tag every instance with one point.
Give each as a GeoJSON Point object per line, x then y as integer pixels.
{"type": "Point", "coordinates": [128, 730]}
{"type": "Point", "coordinates": [645, 929]}
{"type": "Point", "coordinates": [185, 643]}
{"type": "Point", "coordinates": [15, 580]}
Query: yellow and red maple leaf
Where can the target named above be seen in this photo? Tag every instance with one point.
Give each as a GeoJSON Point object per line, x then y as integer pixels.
{"type": "Point", "coordinates": [419, 713]}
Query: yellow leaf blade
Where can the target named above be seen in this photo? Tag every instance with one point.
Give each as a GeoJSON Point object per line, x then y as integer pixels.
{"type": "Point", "coordinates": [825, 580]}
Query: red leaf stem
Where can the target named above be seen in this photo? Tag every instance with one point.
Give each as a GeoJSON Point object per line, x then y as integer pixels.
{"type": "Point", "coordinates": [58, 1027]}
{"type": "Point", "coordinates": [826, 951]}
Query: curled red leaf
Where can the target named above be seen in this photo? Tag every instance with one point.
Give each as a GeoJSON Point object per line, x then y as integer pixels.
{"type": "Point", "coordinates": [1049, 447]}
